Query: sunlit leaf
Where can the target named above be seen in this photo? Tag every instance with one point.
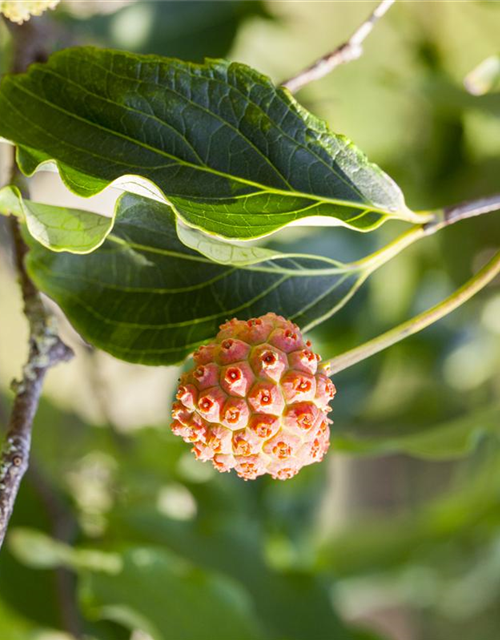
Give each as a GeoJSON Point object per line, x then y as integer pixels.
{"type": "Point", "coordinates": [40, 551]}
{"type": "Point", "coordinates": [57, 228]}
{"type": "Point", "coordinates": [233, 154]}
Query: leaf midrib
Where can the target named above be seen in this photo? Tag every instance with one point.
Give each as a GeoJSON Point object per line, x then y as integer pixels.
{"type": "Point", "coordinates": [245, 97]}
{"type": "Point", "coordinates": [169, 126]}
{"type": "Point", "coordinates": [262, 188]}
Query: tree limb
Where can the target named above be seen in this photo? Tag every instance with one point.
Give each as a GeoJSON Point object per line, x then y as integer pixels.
{"type": "Point", "coordinates": [416, 324]}
{"type": "Point", "coordinates": [46, 349]}
{"type": "Point", "coordinates": [444, 218]}
{"type": "Point", "coordinates": [350, 50]}
{"type": "Point", "coordinates": [470, 209]}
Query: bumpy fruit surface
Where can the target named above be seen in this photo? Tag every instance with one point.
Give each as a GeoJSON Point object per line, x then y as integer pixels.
{"type": "Point", "coordinates": [255, 401]}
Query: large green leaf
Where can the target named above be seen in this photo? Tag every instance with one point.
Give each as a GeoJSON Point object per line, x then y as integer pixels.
{"type": "Point", "coordinates": [230, 534]}
{"type": "Point", "coordinates": [147, 588]}
{"type": "Point", "coordinates": [145, 297]}
{"type": "Point", "coordinates": [294, 604]}
{"type": "Point", "coordinates": [233, 154]}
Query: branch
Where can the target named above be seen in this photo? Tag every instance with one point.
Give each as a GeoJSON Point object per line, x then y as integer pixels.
{"type": "Point", "coordinates": [443, 218]}
{"type": "Point", "coordinates": [45, 347]}
{"type": "Point", "coordinates": [46, 350]}
{"type": "Point", "coordinates": [468, 209]}
{"type": "Point", "coordinates": [416, 324]}
{"type": "Point", "coordinates": [346, 52]}
{"type": "Point", "coordinates": [29, 42]}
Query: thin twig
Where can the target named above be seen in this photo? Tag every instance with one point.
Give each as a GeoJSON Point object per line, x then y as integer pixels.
{"type": "Point", "coordinates": [46, 349]}
{"type": "Point", "coordinates": [350, 50]}
{"type": "Point", "coordinates": [442, 218]}
{"type": "Point", "coordinates": [472, 208]}
{"type": "Point", "coordinates": [416, 324]}
{"type": "Point", "coordinates": [29, 42]}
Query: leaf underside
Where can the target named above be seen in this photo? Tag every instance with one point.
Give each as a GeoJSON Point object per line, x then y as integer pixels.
{"type": "Point", "coordinates": [57, 228]}
{"type": "Point", "coordinates": [234, 155]}
{"type": "Point", "coordinates": [145, 297]}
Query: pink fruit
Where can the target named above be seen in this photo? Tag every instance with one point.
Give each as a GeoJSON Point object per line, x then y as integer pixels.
{"type": "Point", "coordinates": [254, 401]}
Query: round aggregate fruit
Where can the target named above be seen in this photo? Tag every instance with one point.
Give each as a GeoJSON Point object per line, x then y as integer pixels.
{"type": "Point", "coordinates": [255, 401]}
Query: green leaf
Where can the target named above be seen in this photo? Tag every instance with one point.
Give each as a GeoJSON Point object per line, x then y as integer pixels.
{"type": "Point", "coordinates": [170, 599]}
{"type": "Point", "coordinates": [57, 228]}
{"type": "Point", "coordinates": [225, 252]}
{"type": "Point", "coordinates": [39, 551]}
{"type": "Point", "coordinates": [146, 297]}
{"type": "Point", "coordinates": [234, 155]}
{"type": "Point", "coordinates": [14, 625]}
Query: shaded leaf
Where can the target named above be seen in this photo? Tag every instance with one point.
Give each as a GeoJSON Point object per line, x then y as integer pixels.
{"type": "Point", "coordinates": [230, 537]}
{"type": "Point", "coordinates": [24, 593]}
{"type": "Point", "coordinates": [233, 154]}
{"type": "Point", "coordinates": [170, 599]}
{"type": "Point", "coordinates": [145, 297]}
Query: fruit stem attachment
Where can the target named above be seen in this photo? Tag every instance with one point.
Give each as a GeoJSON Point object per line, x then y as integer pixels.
{"type": "Point", "coordinates": [419, 322]}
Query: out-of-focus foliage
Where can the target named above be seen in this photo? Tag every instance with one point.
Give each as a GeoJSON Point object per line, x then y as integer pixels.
{"type": "Point", "coordinates": [484, 78]}
{"type": "Point", "coordinates": [403, 538]}
{"type": "Point", "coordinates": [173, 540]}
{"type": "Point", "coordinates": [192, 30]}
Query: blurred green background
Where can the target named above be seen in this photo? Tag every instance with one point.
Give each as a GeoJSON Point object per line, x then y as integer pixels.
{"type": "Point", "coordinates": [119, 534]}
